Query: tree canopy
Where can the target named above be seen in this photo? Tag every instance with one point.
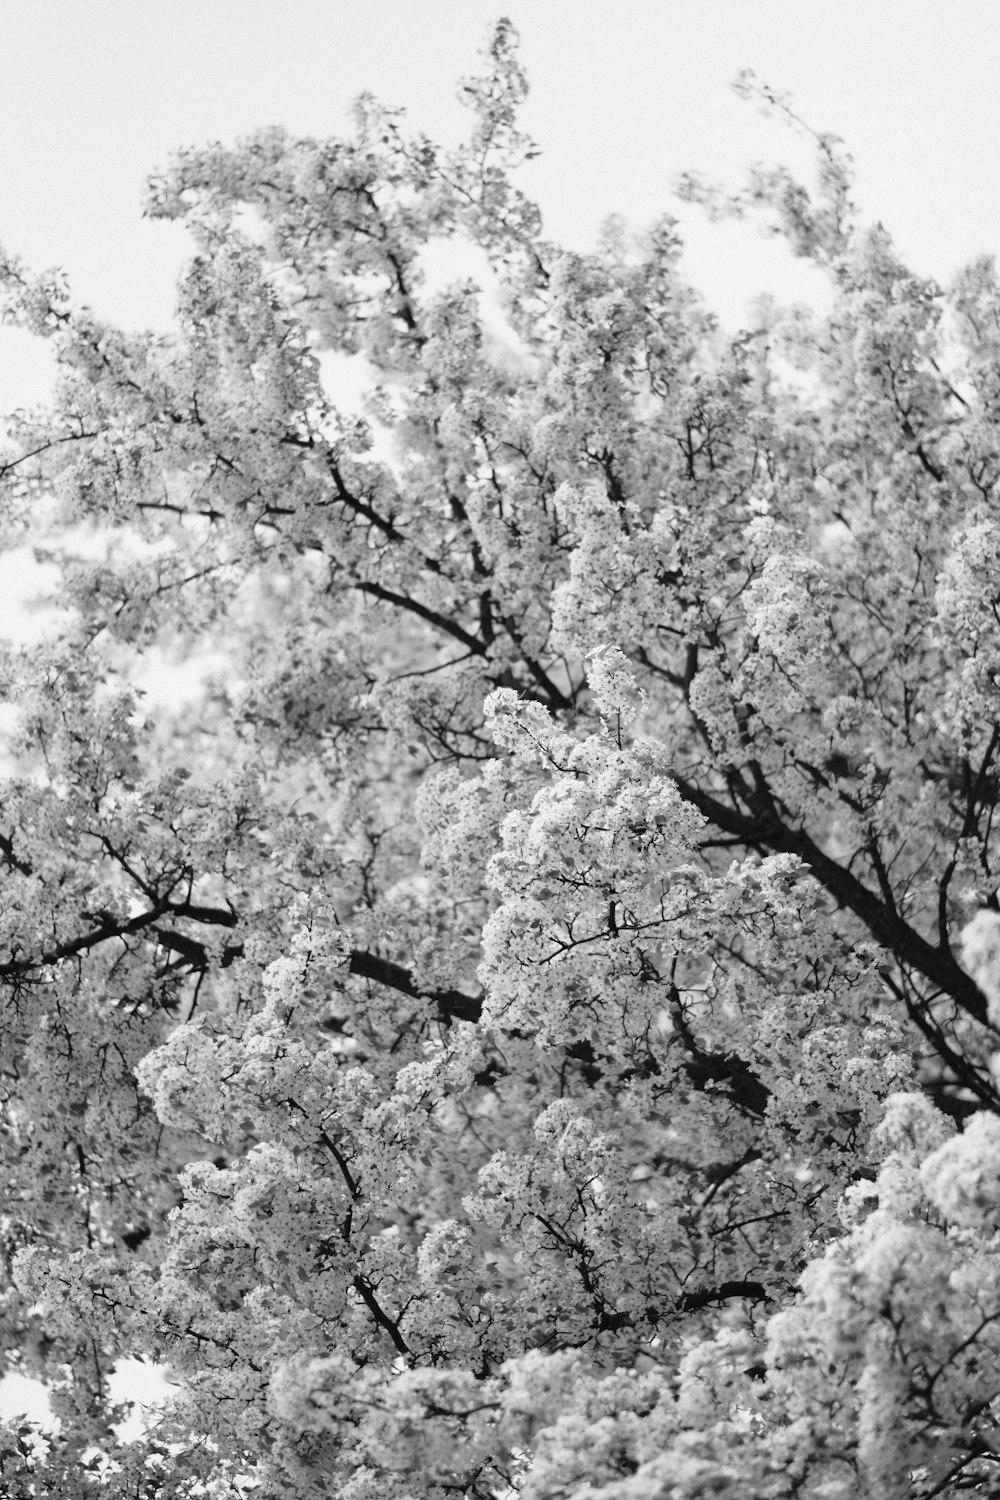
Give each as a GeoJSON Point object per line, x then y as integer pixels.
{"type": "Point", "coordinates": [528, 1023]}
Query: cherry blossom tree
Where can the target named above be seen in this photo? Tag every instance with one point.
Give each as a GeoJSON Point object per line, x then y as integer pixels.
{"type": "Point", "coordinates": [529, 1022]}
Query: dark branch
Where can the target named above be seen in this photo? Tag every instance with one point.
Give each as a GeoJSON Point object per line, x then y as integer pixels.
{"type": "Point", "coordinates": [753, 1291]}
{"type": "Point", "coordinates": [884, 923]}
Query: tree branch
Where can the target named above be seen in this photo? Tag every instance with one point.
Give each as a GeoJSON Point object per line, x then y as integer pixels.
{"type": "Point", "coordinates": [885, 924]}
{"type": "Point", "coordinates": [753, 1291]}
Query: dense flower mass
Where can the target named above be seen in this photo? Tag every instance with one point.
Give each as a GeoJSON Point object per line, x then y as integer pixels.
{"type": "Point", "coordinates": [529, 1023]}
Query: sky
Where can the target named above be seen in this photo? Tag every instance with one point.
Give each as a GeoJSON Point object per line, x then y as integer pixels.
{"type": "Point", "coordinates": [624, 98]}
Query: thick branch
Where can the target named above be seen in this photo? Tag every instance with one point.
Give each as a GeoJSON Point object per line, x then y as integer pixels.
{"type": "Point", "coordinates": [884, 923]}
{"type": "Point", "coordinates": [702, 1067]}
{"type": "Point", "coordinates": [367, 1295]}
{"type": "Point", "coordinates": [432, 616]}
{"type": "Point", "coordinates": [452, 1004]}
{"type": "Point", "coordinates": [753, 1291]}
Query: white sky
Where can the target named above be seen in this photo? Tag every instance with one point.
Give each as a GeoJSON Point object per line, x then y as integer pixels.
{"type": "Point", "coordinates": [624, 97]}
